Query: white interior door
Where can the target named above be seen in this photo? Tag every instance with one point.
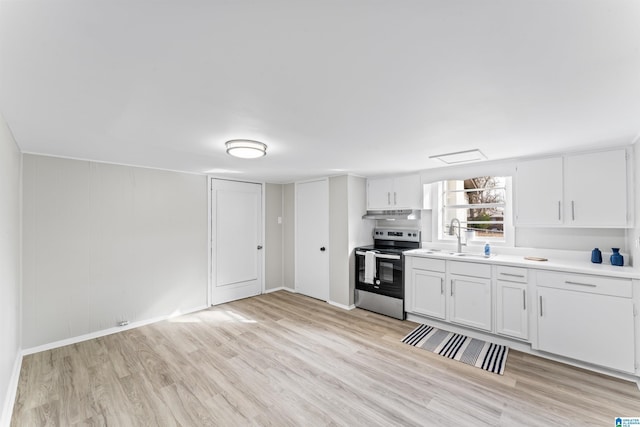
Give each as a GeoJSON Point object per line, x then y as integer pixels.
{"type": "Point", "coordinates": [312, 239]}
{"type": "Point", "coordinates": [236, 216]}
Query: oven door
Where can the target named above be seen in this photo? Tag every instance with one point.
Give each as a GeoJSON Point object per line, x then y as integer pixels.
{"type": "Point", "coordinates": [388, 279]}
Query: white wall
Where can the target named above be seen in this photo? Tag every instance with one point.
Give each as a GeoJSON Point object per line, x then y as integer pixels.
{"type": "Point", "coordinates": [338, 240]}
{"type": "Point", "coordinates": [273, 237]}
{"type": "Point", "coordinates": [633, 235]}
{"type": "Point", "coordinates": [105, 243]}
{"type": "Point", "coordinates": [347, 230]}
{"type": "Point", "coordinates": [288, 235]}
{"type": "Point", "coordinates": [360, 231]}
{"type": "Point", "coordinates": [10, 162]}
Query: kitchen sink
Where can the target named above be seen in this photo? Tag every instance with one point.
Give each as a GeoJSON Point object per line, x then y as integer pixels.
{"type": "Point", "coordinates": [429, 251]}
{"type": "Point", "coordinates": [468, 255]}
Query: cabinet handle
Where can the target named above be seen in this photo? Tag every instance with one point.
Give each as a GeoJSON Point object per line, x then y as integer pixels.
{"type": "Point", "coordinates": [568, 282]}
{"type": "Point", "coordinates": [452, 283]}
{"type": "Point", "coordinates": [524, 299]}
{"type": "Point", "coordinates": [512, 275]}
{"type": "Point", "coordinates": [573, 210]}
{"type": "Point", "coordinates": [388, 197]}
{"type": "Point", "coordinates": [441, 286]}
{"type": "Point", "coordinates": [540, 305]}
{"type": "Point", "coordinates": [395, 198]}
{"type": "Point", "coordinates": [559, 209]}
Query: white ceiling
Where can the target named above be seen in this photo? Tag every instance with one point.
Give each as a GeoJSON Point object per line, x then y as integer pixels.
{"type": "Point", "coordinates": [331, 86]}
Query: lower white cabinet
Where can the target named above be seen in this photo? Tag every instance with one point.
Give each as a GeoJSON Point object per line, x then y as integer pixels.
{"type": "Point", "coordinates": [471, 301]}
{"type": "Point", "coordinates": [584, 317]}
{"type": "Point", "coordinates": [425, 291]}
{"type": "Point", "coordinates": [577, 319]}
{"type": "Point", "coordinates": [428, 293]}
{"type": "Point", "coordinates": [511, 309]}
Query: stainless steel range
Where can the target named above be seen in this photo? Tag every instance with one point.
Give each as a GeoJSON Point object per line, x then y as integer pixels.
{"type": "Point", "coordinates": [380, 271]}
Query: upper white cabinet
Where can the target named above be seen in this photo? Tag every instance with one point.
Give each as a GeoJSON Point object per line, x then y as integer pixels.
{"type": "Point", "coordinates": [539, 192]}
{"type": "Point", "coordinates": [581, 190]}
{"type": "Point", "coordinates": [596, 189]}
{"type": "Point", "coordinates": [400, 192]}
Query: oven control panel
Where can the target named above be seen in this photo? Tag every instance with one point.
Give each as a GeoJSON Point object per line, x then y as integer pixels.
{"type": "Point", "coordinates": [404, 234]}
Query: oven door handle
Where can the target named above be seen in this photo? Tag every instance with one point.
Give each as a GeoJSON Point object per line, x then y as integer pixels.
{"type": "Point", "coordinates": [383, 256]}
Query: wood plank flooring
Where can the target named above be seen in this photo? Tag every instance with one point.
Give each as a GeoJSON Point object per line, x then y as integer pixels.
{"type": "Point", "coordinates": [284, 359]}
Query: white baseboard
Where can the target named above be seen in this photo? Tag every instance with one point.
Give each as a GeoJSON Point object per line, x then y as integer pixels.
{"type": "Point", "coordinates": [342, 306]}
{"type": "Point", "coordinates": [12, 389]}
{"type": "Point", "coordinates": [104, 332]}
{"type": "Point", "coordinates": [281, 288]}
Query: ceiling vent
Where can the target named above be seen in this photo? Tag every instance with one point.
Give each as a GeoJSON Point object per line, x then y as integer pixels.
{"type": "Point", "coordinates": [460, 157]}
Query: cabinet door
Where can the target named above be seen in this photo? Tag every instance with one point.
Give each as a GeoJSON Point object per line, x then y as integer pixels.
{"type": "Point", "coordinates": [596, 189]}
{"type": "Point", "coordinates": [428, 293]}
{"type": "Point", "coordinates": [512, 309]}
{"type": "Point", "coordinates": [539, 192]}
{"type": "Point", "coordinates": [471, 301]}
{"type": "Point", "coordinates": [407, 192]}
{"type": "Point", "coordinates": [379, 193]}
{"type": "Point", "coordinates": [589, 327]}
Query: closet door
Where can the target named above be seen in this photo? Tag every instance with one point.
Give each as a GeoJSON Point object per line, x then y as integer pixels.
{"type": "Point", "coordinates": [312, 239]}
{"type": "Point", "coordinates": [237, 256]}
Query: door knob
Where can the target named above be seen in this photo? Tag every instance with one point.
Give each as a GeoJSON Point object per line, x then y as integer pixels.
{"type": "Point", "coordinates": [259, 246]}
{"type": "Point", "coordinates": [322, 249]}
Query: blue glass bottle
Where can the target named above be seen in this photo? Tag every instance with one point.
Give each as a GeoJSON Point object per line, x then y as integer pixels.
{"type": "Point", "coordinates": [596, 256]}
{"type": "Point", "coordinates": [616, 258]}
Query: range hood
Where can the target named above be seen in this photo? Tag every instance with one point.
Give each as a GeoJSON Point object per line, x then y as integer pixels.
{"type": "Point", "coordinates": [392, 215]}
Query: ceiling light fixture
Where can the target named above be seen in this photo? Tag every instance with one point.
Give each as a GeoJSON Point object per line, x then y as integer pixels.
{"type": "Point", "coordinates": [460, 157]}
{"type": "Point", "coordinates": [246, 148]}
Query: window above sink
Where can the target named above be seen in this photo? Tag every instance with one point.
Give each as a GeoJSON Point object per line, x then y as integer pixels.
{"type": "Point", "coordinates": [482, 205]}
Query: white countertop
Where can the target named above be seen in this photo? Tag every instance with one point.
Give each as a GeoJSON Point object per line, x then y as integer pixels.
{"type": "Point", "coordinates": [554, 263]}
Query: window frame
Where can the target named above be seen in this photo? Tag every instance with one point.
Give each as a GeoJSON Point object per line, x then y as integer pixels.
{"type": "Point", "coordinates": [439, 234]}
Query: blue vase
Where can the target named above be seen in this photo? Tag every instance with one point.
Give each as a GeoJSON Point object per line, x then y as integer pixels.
{"type": "Point", "coordinates": [616, 258]}
{"type": "Point", "coordinates": [596, 256]}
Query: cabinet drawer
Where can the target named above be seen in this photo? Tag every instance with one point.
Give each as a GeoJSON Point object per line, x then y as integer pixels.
{"type": "Point", "coordinates": [470, 269]}
{"type": "Point", "coordinates": [512, 274]}
{"type": "Point", "coordinates": [585, 283]}
{"type": "Point", "coordinates": [428, 264]}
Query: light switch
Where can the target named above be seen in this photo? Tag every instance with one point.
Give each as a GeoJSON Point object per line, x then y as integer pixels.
{"type": "Point", "coordinates": [279, 220]}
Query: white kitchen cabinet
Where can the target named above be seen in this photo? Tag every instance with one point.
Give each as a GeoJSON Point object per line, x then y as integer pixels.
{"type": "Point", "coordinates": [429, 293]}
{"type": "Point", "coordinates": [539, 192]}
{"type": "Point", "coordinates": [586, 318]}
{"type": "Point", "coordinates": [511, 302]}
{"type": "Point", "coordinates": [426, 288]}
{"type": "Point", "coordinates": [512, 309]}
{"type": "Point", "coordinates": [400, 192]}
{"type": "Point", "coordinates": [578, 190]}
{"type": "Point", "coordinates": [596, 189]}
{"type": "Point", "coordinates": [470, 299]}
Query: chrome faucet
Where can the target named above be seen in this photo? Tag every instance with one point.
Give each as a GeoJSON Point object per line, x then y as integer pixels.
{"type": "Point", "coordinates": [452, 232]}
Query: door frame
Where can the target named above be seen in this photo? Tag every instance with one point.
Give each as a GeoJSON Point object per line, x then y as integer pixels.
{"type": "Point", "coordinates": [296, 234]}
{"type": "Point", "coordinates": [210, 246]}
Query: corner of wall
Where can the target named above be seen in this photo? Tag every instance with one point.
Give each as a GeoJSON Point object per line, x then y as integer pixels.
{"type": "Point", "coordinates": [10, 269]}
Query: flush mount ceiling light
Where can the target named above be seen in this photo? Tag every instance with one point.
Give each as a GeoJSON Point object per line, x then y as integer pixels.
{"type": "Point", "coordinates": [246, 148]}
{"type": "Point", "coordinates": [460, 157]}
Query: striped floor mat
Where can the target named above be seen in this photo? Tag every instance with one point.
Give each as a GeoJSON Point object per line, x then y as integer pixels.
{"type": "Point", "coordinates": [478, 353]}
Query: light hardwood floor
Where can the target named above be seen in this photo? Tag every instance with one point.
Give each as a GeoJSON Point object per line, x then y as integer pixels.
{"type": "Point", "coordinates": [284, 359]}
